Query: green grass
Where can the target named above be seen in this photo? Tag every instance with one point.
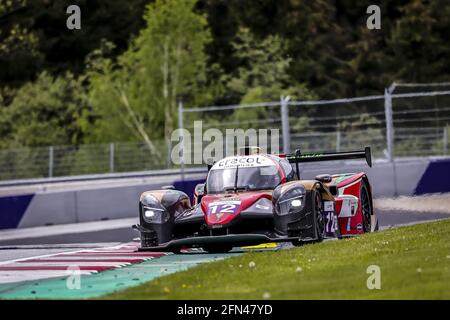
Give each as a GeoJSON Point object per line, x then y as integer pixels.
{"type": "Point", "coordinates": [414, 263]}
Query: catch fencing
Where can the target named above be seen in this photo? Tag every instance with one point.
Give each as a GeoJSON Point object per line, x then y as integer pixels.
{"type": "Point", "coordinates": [395, 124]}
{"type": "Point", "coordinates": [408, 120]}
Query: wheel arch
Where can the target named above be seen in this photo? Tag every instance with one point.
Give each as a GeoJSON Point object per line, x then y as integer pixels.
{"type": "Point", "coordinates": [317, 185]}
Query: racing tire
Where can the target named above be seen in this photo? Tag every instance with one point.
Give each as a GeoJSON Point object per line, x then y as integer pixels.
{"type": "Point", "coordinates": [376, 227]}
{"type": "Point", "coordinates": [366, 208]}
{"type": "Point", "coordinates": [217, 249]}
{"type": "Point", "coordinates": [318, 212]}
{"type": "Point", "coordinates": [318, 220]}
{"type": "Point", "coordinates": [298, 243]}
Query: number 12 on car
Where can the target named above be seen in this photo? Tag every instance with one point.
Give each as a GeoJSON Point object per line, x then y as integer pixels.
{"type": "Point", "coordinates": [224, 207]}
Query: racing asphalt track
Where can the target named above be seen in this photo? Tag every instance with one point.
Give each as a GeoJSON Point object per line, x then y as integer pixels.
{"type": "Point", "coordinates": [36, 267]}
{"type": "Point", "coordinates": [387, 218]}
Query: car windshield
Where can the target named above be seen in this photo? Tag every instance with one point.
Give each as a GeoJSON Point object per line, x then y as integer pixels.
{"type": "Point", "coordinates": [241, 178]}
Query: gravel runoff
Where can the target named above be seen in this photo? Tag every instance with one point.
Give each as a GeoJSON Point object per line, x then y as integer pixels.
{"type": "Point", "coordinates": [436, 203]}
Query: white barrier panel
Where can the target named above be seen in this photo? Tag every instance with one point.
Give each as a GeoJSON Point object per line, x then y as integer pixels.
{"type": "Point", "coordinates": [100, 203]}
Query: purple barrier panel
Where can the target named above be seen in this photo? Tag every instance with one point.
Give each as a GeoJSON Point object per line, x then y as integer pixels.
{"type": "Point", "coordinates": [188, 186]}
{"type": "Point", "coordinates": [436, 178]}
{"type": "Point", "coordinates": [12, 209]}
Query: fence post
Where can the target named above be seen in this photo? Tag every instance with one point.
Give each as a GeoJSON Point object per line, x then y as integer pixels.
{"type": "Point", "coordinates": [285, 124]}
{"type": "Point", "coordinates": [50, 161]}
{"type": "Point", "coordinates": [389, 124]}
{"type": "Point", "coordinates": [390, 133]}
{"type": "Point", "coordinates": [181, 127]}
{"type": "Point", "coordinates": [168, 158]}
{"type": "Point", "coordinates": [338, 141]}
{"type": "Point", "coordinates": [111, 157]}
{"type": "Point", "coordinates": [445, 140]}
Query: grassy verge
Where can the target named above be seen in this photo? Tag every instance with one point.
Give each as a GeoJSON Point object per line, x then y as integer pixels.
{"type": "Point", "coordinates": [414, 262]}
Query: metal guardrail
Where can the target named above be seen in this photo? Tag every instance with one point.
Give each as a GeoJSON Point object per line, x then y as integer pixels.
{"type": "Point", "coordinates": [105, 176]}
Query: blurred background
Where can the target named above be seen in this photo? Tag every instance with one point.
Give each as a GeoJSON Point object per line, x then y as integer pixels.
{"type": "Point", "coordinates": [106, 98]}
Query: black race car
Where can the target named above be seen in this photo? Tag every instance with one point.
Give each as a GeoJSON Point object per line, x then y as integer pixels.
{"type": "Point", "coordinates": [257, 198]}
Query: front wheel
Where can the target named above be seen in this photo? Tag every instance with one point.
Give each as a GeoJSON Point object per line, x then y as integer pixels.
{"type": "Point", "coordinates": [318, 212]}
{"type": "Point", "coordinates": [319, 222]}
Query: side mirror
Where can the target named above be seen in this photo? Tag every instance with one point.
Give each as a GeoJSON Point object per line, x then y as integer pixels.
{"type": "Point", "coordinates": [200, 189]}
{"type": "Point", "coordinates": [199, 192]}
{"type": "Point", "coordinates": [324, 178]}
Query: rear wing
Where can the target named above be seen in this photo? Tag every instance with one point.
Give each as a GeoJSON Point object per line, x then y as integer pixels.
{"type": "Point", "coordinates": [298, 157]}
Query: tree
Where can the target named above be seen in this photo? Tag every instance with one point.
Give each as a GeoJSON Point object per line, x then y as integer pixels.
{"type": "Point", "coordinates": [317, 44]}
{"type": "Point", "coordinates": [45, 112]}
{"type": "Point", "coordinates": [263, 75]}
{"type": "Point", "coordinates": [164, 63]}
{"type": "Point", "coordinates": [19, 48]}
{"type": "Point", "coordinates": [34, 36]}
{"type": "Point", "coordinates": [111, 117]}
{"type": "Point", "coordinates": [420, 40]}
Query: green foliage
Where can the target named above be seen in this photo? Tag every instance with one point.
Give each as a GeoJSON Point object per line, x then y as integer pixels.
{"type": "Point", "coordinates": [431, 144]}
{"type": "Point", "coordinates": [302, 124]}
{"type": "Point", "coordinates": [413, 262]}
{"type": "Point", "coordinates": [34, 36]}
{"type": "Point", "coordinates": [137, 95]}
{"type": "Point", "coordinates": [105, 120]}
{"type": "Point", "coordinates": [420, 40]}
{"type": "Point", "coordinates": [366, 130]}
{"type": "Point", "coordinates": [45, 112]}
{"type": "Point", "coordinates": [206, 52]}
{"type": "Point", "coordinates": [19, 46]}
{"type": "Point", "coordinates": [23, 163]}
{"type": "Point", "coordinates": [262, 76]}
{"type": "Point", "coordinates": [332, 50]}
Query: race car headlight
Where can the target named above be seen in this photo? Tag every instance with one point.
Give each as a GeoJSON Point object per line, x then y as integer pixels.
{"type": "Point", "coordinates": [296, 203]}
{"type": "Point", "coordinates": [290, 202]}
{"type": "Point", "coordinates": [149, 213]}
{"type": "Point", "coordinates": [151, 209]}
{"type": "Point", "coordinates": [155, 215]}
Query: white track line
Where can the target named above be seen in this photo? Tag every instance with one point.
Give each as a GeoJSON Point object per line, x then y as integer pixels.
{"type": "Point", "coordinates": [68, 252]}
{"type": "Point", "coordinates": [73, 228]}
{"type": "Point", "coordinates": [122, 254]}
{"type": "Point", "coordinates": [69, 264]}
{"type": "Point", "coordinates": [83, 258]}
{"type": "Point", "coordinates": [39, 257]}
{"type": "Point", "coordinates": [20, 276]}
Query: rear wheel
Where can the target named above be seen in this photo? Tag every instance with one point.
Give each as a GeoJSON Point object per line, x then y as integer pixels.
{"type": "Point", "coordinates": [366, 208]}
{"type": "Point", "coordinates": [218, 249]}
